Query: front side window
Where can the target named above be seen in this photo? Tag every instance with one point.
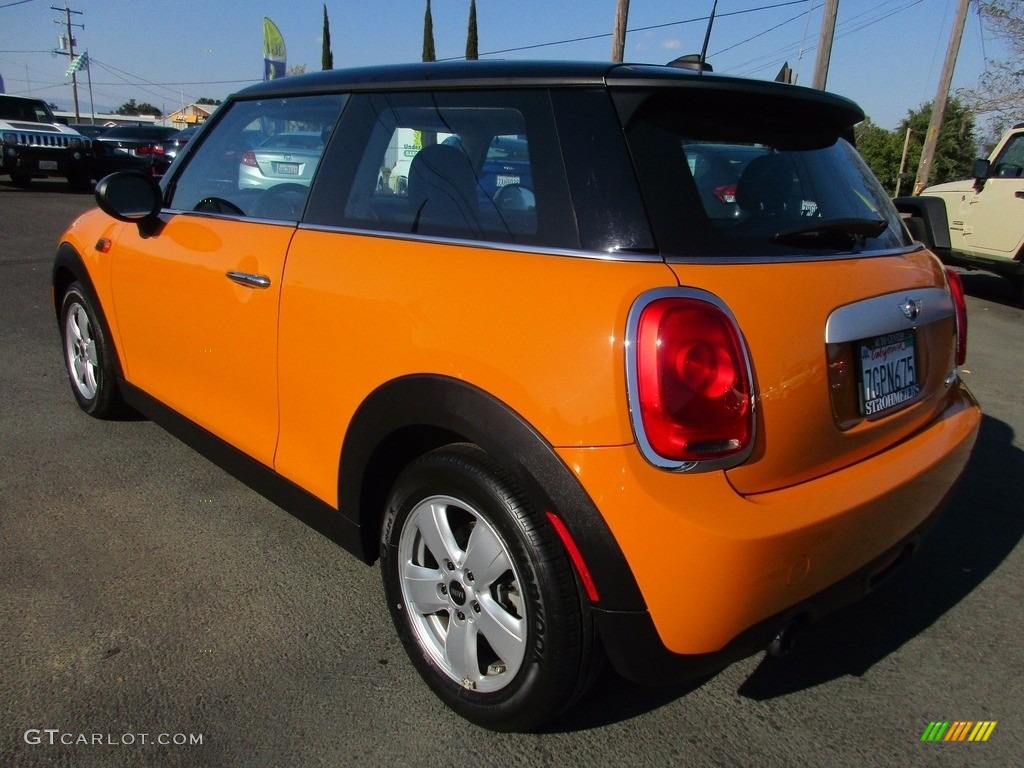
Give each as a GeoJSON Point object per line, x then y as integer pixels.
{"type": "Point", "coordinates": [1010, 163]}
{"type": "Point", "coordinates": [725, 184]}
{"type": "Point", "coordinates": [259, 159]}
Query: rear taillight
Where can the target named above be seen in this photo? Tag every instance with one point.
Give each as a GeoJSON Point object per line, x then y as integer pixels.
{"type": "Point", "coordinates": [690, 382]}
{"type": "Point", "coordinates": [145, 149]}
{"type": "Point", "coordinates": [249, 158]}
{"type": "Point", "coordinates": [726, 193]}
{"type": "Point", "coordinates": [956, 290]}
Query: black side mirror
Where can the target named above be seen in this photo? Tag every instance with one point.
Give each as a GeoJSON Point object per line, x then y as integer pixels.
{"type": "Point", "coordinates": [131, 196]}
{"type": "Point", "coordinates": [980, 172]}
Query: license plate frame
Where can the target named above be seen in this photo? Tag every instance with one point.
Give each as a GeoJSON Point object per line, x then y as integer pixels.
{"type": "Point", "coordinates": [48, 165]}
{"type": "Point", "coordinates": [887, 372]}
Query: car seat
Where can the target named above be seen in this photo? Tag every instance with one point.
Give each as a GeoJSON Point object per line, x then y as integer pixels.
{"type": "Point", "coordinates": [442, 190]}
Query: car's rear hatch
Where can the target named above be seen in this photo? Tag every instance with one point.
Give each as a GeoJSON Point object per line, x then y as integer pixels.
{"type": "Point", "coordinates": [850, 327]}
{"type": "Point", "coordinates": [816, 331]}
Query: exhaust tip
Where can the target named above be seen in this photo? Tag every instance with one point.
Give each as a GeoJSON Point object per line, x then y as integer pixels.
{"type": "Point", "coordinates": [784, 642]}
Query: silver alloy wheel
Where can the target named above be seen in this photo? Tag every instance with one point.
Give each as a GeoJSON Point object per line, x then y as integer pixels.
{"type": "Point", "coordinates": [80, 350]}
{"type": "Point", "coordinates": [462, 592]}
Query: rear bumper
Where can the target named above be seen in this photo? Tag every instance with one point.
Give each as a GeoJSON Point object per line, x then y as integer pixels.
{"type": "Point", "coordinates": [722, 574]}
{"type": "Point", "coordinates": [635, 649]}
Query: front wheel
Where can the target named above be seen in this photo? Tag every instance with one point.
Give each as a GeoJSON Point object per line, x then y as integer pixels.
{"type": "Point", "coordinates": [88, 356]}
{"type": "Point", "coordinates": [482, 594]}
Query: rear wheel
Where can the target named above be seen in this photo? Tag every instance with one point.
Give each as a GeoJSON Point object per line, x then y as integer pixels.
{"type": "Point", "coordinates": [482, 594]}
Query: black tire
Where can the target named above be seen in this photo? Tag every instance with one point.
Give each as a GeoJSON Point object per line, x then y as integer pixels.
{"type": "Point", "coordinates": [541, 661]}
{"type": "Point", "coordinates": [1017, 286]}
{"type": "Point", "coordinates": [22, 180]}
{"type": "Point", "coordinates": [88, 356]}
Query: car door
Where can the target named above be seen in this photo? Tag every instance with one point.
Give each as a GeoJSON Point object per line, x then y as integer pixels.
{"type": "Point", "coordinates": [992, 221]}
{"type": "Point", "coordinates": [197, 300]}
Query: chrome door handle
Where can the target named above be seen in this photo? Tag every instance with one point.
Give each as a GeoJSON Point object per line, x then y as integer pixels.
{"type": "Point", "coordinates": [249, 280]}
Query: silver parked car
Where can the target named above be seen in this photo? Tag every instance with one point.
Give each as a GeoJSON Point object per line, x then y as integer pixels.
{"type": "Point", "coordinates": [281, 158]}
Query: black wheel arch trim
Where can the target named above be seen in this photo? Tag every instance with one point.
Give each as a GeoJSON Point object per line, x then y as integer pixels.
{"type": "Point", "coordinates": [68, 260]}
{"type": "Point", "coordinates": [406, 417]}
{"type": "Point", "coordinates": [934, 229]}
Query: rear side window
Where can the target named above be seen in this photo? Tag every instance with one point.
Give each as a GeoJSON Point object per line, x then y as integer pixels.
{"type": "Point", "coordinates": [466, 165]}
{"type": "Point", "coordinates": [755, 186]}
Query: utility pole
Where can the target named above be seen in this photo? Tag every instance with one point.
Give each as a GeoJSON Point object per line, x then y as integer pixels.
{"type": "Point", "coordinates": [903, 162]}
{"type": "Point", "coordinates": [931, 139]}
{"type": "Point", "coordinates": [619, 34]}
{"type": "Point", "coordinates": [71, 50]}
{"type": "Point", "coordinates": [828, 31]}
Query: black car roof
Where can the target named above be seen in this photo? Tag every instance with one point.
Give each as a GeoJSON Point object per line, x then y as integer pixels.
{"type": "Point", "coordinates": [520, 74]}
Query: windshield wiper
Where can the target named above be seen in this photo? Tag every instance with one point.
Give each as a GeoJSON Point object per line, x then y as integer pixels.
{"type": "Point", "coordinates": [837, 233]}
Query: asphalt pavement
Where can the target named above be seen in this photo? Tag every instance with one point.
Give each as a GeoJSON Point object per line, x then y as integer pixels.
{"type": "Point", "coordinates": [154, 611]}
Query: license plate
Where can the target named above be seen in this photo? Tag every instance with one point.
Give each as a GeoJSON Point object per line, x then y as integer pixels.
{"type": "Point", "coordinates": [888, 372]}
{"type": "Point", "coordinates": [504, 181]}
{"type": "Point", "coordinates": [47, 165]}
{"type": "Point", "coordinates": [288, 169]}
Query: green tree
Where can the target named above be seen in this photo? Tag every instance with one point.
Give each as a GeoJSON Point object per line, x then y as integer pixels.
{"type": "Point", "coordinates": [206, 100]}
{"type": "Point", "coordinates": [957, 146]}
{"type": "Point", "coordinates": [881, 150]}
{"type": "Point", "coordinates": [428, 36]}
{"type": "Point", "coordinates": [954, 153]}
{"type": "Point", "coordinates": [131, 108]}
{"type": "Point", "coordinates": [327, 56]}
{"type": "Point", "coordinates": [472, 52]}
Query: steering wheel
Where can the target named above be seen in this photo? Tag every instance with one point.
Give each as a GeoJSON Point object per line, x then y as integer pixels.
{"type": "Point", "coordinates": [515, 197]}
{"type": "Point", "coordinates": [282, 201]}
{"type": "Point", "coordinates": [218, 205]}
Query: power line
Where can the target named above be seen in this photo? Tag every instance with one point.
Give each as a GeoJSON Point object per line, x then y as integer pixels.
{"type": "Point", "coordinates": [587, 38]}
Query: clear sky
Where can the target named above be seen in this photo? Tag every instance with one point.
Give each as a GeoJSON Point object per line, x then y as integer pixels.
{"type": "Point", "coordinates": [887, 54]}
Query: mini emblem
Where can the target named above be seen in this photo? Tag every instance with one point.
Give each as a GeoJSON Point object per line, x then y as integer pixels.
{"type": "Point", "coordinates": [911, 308]}
{"type": "Point", "coordinates": [457, 592]}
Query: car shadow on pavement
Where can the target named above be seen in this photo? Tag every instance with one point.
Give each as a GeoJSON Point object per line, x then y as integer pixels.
{"type": "Point", "coordinates": [980, 528]}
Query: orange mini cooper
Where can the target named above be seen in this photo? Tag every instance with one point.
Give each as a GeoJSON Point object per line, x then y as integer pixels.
{"type": "Point", "coordinates": [599, 361]}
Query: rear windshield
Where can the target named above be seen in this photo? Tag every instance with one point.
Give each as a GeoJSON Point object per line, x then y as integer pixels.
{"type": "Point", "coordinates": [755, 185]}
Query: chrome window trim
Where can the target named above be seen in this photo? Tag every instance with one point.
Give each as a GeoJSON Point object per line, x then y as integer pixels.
{"type": "Point", "coordinates": [793, 258]}
{"type": "Point", "coordinates": [633, 383]}
{"type": "Point", "coordinates": [491, 244]}
{"type": "Point", "coordinates": [882, 314]}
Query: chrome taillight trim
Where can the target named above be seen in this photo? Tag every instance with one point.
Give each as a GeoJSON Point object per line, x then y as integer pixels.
{"type": "Point", "coordinates": [633, 382]}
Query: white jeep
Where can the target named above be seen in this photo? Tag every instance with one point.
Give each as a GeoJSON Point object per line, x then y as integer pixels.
{"type": "Point", "coordinates": [978, 223]}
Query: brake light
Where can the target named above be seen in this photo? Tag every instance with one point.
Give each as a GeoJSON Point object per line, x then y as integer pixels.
{"type": "Point", "coordinates": [145, 149]}
{"type": "Point", "coordinates": [249, 158]}
{"type": "Point", "coordinates": [956, 291]}
{"type": "Point", "coordinates": [692, 380]}
{"type": "Point", "coordinates": [726, 193]}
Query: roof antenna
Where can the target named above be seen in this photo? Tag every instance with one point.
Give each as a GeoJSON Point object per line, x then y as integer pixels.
{"type": "Point", "coordinates": [707, 36]}
{"type": "Point", "coordinates": [695, 61]}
